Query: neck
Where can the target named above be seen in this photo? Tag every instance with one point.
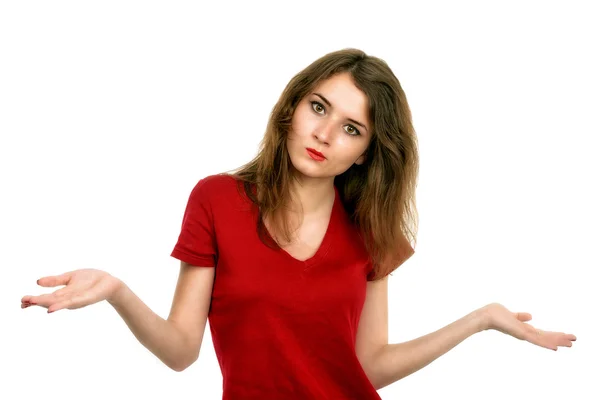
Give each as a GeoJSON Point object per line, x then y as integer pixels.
{"type": "Point", "coordinates": [314, 195]}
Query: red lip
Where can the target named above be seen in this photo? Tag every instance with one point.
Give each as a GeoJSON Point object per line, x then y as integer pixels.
{"type": "Point", "coordinates": [315, 152]}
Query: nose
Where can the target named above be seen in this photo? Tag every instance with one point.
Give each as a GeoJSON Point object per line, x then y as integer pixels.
{"type": "Point", "coordinates": [325, 132]}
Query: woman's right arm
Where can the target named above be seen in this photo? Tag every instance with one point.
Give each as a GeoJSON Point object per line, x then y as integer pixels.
{"type": "Point", "coordinates": [176, 341]}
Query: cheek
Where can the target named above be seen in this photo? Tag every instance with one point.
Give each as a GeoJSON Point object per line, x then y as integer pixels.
{"type": "Point", "coordinates": [303, 123]}
{"type": "Point", "coordinates": [349, 150]}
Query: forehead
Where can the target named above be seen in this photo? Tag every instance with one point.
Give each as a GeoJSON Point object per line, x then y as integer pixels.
{"type": "Point", "coordinates": [345, 97]}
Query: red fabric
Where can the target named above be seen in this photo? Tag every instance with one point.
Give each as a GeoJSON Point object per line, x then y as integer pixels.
{"type": "Point", "coordinates": [281, 328]}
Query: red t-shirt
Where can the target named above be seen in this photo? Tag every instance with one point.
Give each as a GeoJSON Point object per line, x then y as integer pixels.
{"type": "Point", "coordinates": [281, 328]}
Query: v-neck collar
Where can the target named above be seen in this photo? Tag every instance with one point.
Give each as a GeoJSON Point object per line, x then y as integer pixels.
{"type": "Point", "coordinates": [324, 247]}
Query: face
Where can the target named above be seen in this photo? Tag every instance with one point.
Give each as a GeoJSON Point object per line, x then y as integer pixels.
{"type": "Point", "coordinates": [331, 120]}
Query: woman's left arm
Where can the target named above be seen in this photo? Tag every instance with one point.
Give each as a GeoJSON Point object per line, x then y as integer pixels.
{"type": "Point", "coordinates": [386, 363]}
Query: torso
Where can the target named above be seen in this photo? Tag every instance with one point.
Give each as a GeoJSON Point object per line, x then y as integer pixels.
{"type": "Point", "coordinates": [282, 328]}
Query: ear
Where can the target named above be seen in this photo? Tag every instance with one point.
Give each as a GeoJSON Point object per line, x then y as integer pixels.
{"type": "Point", "coordinates": [361, 159]}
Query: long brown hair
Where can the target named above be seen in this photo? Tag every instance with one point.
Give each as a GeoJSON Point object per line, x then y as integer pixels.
{"type": "Point", "coordinates": [379, 195]}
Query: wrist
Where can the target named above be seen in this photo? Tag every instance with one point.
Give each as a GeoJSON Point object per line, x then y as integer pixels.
{"type": "Point", "coordinates": [482, 320]}
{"type": "Point", "coordinates": [118, 295]}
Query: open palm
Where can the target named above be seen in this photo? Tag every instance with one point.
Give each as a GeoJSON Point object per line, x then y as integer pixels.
{"type": "Point", "coordinates": [501, 319]}
{"type": "Point", "coordinates": [83, 287]}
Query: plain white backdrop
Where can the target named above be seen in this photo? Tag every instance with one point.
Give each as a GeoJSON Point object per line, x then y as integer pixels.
{"type": "Point", "coordinates": [110, 112]}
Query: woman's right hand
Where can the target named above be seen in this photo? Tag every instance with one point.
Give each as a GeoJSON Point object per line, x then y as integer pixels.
{"type": "Point", "coordinates": [83, 287]}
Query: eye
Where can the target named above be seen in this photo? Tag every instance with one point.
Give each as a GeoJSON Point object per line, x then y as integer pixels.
{"type": "Point", "coordinates": [316, 106]}
{"type": "Point", "coordinates": [319, 109]}
{"type": "Point", "coordinates": [353, 131]}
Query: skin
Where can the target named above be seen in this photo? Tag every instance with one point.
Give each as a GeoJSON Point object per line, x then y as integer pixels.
{"type": "Point", "coordinates": [327, 129]}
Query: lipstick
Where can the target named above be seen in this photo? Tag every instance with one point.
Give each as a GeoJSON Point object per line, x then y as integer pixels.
{"type": "Point", "coordinates": [315, 155]}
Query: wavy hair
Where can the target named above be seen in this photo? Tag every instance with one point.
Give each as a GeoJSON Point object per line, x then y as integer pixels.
{"type": "Point", "coordinates": [379, 195]}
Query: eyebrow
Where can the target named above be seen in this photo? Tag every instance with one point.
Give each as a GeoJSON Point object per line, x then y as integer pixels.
{"type": "Point", "coordinates": [329, 104]}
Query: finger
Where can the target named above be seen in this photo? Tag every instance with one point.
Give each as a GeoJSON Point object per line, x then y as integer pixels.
{"type": "Point", "coordinates": [550, 340]}
{"type": "Point", "coordinates": [561, 335]}
{"type": "Point", "coordinates": [523, 316]}
{"type": "Point", "coordinates": [54, 296]}
{"type": "Point", "coordinates": [565, 340]}
{"type": "Point", "coordinates": [35, 302]}
{"type": "Point", "coordinates": [566, 343]}
{"type": "Point", "coordinates": [59, 292]}
{"type": "Point", "coordinates": [28, 301]}
{"type": "Point", "coordinates": [46, 300]}
{"type": "Point", "coordinates": [57, 280]}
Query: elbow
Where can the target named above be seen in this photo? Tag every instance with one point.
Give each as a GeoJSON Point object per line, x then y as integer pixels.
{"type": "Point", "coordinates": [178, 368]}
{"type": "Point", "coordinates": [182, 366]}
{"type": "Point", "coordinates": [184, 362]}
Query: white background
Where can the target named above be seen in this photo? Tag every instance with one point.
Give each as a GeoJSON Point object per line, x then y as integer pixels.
{"type": "Point", "coordinates": [111, 111]}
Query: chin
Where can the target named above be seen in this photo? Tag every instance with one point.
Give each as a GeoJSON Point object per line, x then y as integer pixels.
{"type": "Point", "coordinates": [307, 170]}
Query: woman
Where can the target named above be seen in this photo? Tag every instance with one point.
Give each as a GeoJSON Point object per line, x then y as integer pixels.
{"type": "Point", "coordinates": [288, 256]}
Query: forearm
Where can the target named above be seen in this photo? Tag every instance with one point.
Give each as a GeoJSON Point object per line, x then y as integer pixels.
{"type": "Point", "coordinates": [158, 335]}
{"type": "Point", "coordinates": [395, 361]}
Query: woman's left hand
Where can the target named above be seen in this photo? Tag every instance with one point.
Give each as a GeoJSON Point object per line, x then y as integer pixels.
{"type": "Point", "coordinates": [496, 316]}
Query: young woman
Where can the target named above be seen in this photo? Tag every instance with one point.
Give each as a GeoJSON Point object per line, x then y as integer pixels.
{"type": "Point", "coordinates": [288, 257]}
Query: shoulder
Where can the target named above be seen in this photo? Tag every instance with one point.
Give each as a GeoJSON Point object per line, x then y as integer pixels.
{"type": "Point", "coordinates": [215, 185]}
{"type": "Point", "coordinates": [217, 181]}
{"type": "Point", "coordinates": [220, 191]}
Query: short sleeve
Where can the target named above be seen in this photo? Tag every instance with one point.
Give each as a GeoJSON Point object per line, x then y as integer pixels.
{"type": "Point", "coordinates": [197, 243]}
{"type": "Point", "coordinates": [403, 253]}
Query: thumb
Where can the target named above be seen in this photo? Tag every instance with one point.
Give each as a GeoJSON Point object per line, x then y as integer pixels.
{"type": "Point", "coordinates": [523, 316]}
{"type": "Point", "coordinates": [57, 280]}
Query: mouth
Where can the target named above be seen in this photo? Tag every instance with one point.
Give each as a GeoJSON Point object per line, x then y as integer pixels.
{"type": "Point", "coordinates": [315, 154]}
